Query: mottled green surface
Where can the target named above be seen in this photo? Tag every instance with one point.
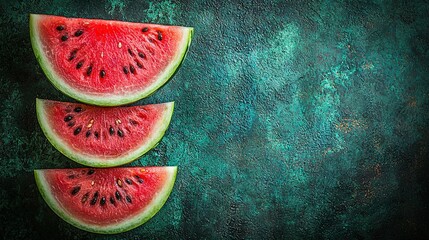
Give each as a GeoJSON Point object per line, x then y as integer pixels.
{"type": "Point", "coordinates": [293, 120]}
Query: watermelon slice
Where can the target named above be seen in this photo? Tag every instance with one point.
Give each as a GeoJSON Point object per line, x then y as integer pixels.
{"type": "Point", "coordinates": [106, 200]}
{"type": "Point", "coordinates": [100, 136]}
{"type": "Point", "coordinates": [104, 62]}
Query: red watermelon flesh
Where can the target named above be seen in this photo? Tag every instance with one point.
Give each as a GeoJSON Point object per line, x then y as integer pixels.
{"type": "Point", "coordinates": [103, 136]}
{"type": "Point", "coordinates": [107, 200]}
{"type": "Point", "coordinates": [106, 62]}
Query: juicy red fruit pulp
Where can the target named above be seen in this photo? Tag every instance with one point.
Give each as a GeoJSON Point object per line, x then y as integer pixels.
{"type": "Point", "coordinates": [99, 57]}
{"type": "Point", "coordinates": [100, 131]}
{"type": "Point", "coordinates": [105, 196]}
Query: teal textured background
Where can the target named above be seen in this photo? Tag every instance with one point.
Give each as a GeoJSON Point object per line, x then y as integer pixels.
{"type": "Point", "coordinates": [293, 120]}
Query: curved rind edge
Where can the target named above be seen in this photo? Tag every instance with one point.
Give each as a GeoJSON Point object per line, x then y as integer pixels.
{"type": "Point", "coordinates": [59, 84]}
{"type": "Point", "coordinates": [93, 161]}
{"type": "Point", "coordinates": [156, 204]}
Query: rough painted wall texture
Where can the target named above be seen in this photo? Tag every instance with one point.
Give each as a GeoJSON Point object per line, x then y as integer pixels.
{"type": "Point", "coordinates": [293, 120]}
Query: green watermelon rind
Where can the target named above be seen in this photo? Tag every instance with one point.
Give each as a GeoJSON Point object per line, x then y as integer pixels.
{"type": "Point", "coordinates": [105, 99]}
{"type": "Point", "coordinates": [93, 161]}
{"type": "Point", "coordinates": [155, 205]}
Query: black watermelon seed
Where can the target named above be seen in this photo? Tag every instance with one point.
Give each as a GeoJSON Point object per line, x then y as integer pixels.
{"type": "Point", "coordinates": [78, 109]}
{"type": "Point", "coordinates": [72, 54]}
{"type": "Point", "coordinates": [75, 190]}
{"type": "Point", "coordinates": [102, 201]}
{"type": "Point", "coordinates": [96, 134]}
{"type": "Point", "coordinates": [102, 73]}
{"type": "Point", "coordinates": [145, 29]}
{"type": "Point", "coordinates": [68, 118]}
{"type": "Point", "coordinates": [138, 179]}
{"type": "Point", "coordinates": [60, 27]}
{"type": "Point", "coordinates": [128, 199]}
{"type": "Point", "coordinates": [89, 70]}
{"type": "Point", "coordinates": [77, 130]}
{"type": "Point", "coordinates": [142, 55]}
{"type": "Point", "coordinates": [125, 69]}
{"type": "Point", "coordinates": [91, 171]}
{"type": "Point", "coordinates": [128, 181]}
{"type": "Point", "coordinates": [111, 131]}
{"type": "Point", "coordinates": [71, 124]}
{"type": "Point", "coordinates": [120, 133]}
{"type": "Point", "coordinates": [78, 33]}
{"type": "Point", "coordinates": [88, 133]}
{"type": "Point", "coordinates": [112, 200]}
{"type": "Point", "coordinates": [118, 195]}
{"type": "Point", "coordinates": [139, 64]}
{"type": "Point", "coordinates": [130, 52]}
{"type": "Point", "coordinates": [94, 199]}
{"type": "Point", "coordinates": [85, 197]}
{"type": "Point", "coordinates": [159, 36]}
{"type": "Point", "coordinates": [71, 176]}
{"type": "Point", "coordinates": [79, 65]}
{"type": "Point", "coordinates": [132, 69]}
{"type": "Point", "coordinates": [64, 38]}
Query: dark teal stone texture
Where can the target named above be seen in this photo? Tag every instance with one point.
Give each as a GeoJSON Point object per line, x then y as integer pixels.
{"type": "Point", "coordinates": [293, 120]}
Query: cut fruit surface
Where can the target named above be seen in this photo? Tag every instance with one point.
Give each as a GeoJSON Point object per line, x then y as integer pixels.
{"type": "Point", "coordinates": [107, 200]}
{"type": "Point", "coordinates": [100, 136]}
{"type": "Point", "coordinates": [107, 63]}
